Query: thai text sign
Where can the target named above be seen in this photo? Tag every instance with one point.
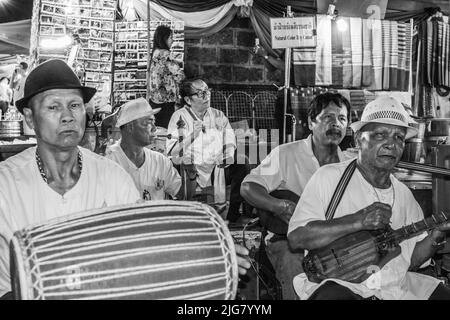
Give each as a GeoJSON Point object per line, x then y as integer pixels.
{"type": "Point", "coordinates": [293, 32]}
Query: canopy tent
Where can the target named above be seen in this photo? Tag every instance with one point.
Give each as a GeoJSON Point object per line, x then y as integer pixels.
{"type": "Point", "coordinates": [15, 37]}
{"type": "Point", "coordinates": [202, 18]}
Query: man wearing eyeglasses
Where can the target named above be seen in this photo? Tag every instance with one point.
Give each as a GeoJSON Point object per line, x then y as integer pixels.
{"type": "Point", "coordinates": [209, 146]}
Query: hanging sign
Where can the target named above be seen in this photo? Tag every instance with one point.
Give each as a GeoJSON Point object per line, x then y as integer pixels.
{"type": "Point", "coordinates": [366, 9]}
{"type": "Point", "coordinates": [298, 32]}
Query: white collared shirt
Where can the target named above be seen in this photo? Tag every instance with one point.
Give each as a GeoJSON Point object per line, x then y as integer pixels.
{"type": "Point", "coordinates": [393, 281]}
{"type": "Point", "coordinates": [154, 178]}
{"type": "Point", "coordinates": [25, 199]}
{"type": "Point", "coordinates": [288, 167]}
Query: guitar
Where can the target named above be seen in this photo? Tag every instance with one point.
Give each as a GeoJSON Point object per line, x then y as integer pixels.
{"type": "Point", "coordinates": [352, 257]}
{"type": "Point", "coordinates": [269, 221]}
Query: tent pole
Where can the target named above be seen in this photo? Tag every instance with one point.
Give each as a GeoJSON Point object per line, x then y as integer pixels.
{"type": "Point", "coordinates": [149, 51]}
{"type": "Point", "coordinates": [287, 74]}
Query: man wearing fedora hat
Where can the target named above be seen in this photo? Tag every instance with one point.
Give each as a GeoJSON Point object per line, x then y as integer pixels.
{"type": "Point", "coordinates": [57, 177]}
{"type": "Point", "coordinates": [152, 172]}
{"type": "Point", "coordinates": [373, 199]}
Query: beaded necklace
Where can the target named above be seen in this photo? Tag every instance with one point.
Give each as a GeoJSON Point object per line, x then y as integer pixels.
{"type": "Point", "coordinates": [41, 166]}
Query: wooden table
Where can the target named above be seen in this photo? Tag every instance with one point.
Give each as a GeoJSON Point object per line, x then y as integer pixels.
{"type": "Point", "coordinates": [9, 150]}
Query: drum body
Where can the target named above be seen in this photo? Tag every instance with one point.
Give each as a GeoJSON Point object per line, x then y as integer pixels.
{"type": "Point", "coordinates": [154, 250]}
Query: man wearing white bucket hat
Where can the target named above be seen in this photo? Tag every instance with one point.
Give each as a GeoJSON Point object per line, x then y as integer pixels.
{"type": "Point", "coordinates": [373, 199]}
{"type": "Point", "coordinates": [152, 172]}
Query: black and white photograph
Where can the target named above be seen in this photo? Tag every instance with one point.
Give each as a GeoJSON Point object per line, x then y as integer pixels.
{"type": "Point", "coordinates": [248, 151]}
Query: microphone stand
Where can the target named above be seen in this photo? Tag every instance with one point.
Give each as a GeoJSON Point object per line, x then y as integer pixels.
{"type": "Point", "coordinates": [180, 128]}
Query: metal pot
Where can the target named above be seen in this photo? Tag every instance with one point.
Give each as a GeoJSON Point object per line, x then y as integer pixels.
{"type": "Point", "coordinates": [10, 128]}
{"type": "Point", "coordinates": [414, 151]}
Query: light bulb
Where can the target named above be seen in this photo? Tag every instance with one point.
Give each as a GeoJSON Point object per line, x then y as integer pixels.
{"type": "Point", "coordinates": [341, 25]}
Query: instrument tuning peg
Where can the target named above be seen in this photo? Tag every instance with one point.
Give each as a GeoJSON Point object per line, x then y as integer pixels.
{"type": "Point", "coordinates": [181, 123]}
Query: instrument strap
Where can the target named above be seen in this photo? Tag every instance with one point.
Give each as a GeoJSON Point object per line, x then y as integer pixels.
{"type": "Point", "coordinates": [339, 191]}
{"type": "Point", "coordinates": [191, 113]}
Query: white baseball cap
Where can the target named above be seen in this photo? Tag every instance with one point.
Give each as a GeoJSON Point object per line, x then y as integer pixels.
{"type": "Point", "coordinates": [387, 110]}
{"type": "Point", "coordinates": [133, 110]}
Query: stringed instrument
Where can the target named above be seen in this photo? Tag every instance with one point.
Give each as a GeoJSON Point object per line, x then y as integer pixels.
{"type": "Point", "coordinates": [353, 257]}
{"type": "Point", "coordinates": [269, 221]}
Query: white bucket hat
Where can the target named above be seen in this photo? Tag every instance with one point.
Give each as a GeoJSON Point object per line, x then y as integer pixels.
{"type": "Point", "coordinates": [133, 110]}
{"type": "Point", "coordinates": [387, 110]}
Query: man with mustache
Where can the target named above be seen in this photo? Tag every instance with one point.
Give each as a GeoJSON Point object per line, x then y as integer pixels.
{"type": "Point", "coordinates": [152, 172]}
{"type": "Point", "coordinates": [289, 167]}
{"type": "Point", "coordinates": [57, 177]}
{"type": "Point", "coordinates": [373, 199]}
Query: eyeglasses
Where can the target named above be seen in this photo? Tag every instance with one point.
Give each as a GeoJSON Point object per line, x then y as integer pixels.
{"type": "Point", "coordinates": [202, 93]}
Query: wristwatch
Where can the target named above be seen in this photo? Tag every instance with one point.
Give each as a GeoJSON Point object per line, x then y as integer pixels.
{"type": "Point", "coordinates": [438, 244]}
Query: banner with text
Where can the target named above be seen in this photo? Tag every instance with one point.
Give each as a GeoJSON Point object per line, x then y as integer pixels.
{"type": "Point", "coordinates": [298, 32]}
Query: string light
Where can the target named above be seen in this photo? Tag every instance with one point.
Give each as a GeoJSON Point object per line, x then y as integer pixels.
{"type": "Point", "coordinates": [56, 43]}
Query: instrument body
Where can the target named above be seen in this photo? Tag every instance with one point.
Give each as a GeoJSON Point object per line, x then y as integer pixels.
{"type": "Point", "coordinates": [349, 258]}
{"type": "Point", "coordinates": [269, 221]}
{"type": "Point", "coordinates": [355, 256]}
{"type": "Point", "coordinates": [154, 250]}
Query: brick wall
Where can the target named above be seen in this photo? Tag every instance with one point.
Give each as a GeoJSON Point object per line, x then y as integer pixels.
{"type": "Point", "coordinates": [224, 57]}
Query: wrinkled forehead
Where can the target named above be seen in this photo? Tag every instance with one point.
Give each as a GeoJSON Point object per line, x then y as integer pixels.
{"type": "Point", "coordinates": [57, 95]}
{"type": "Point", "coordinates": [334, 108]}
{"type": "Point", "coordinates": [199, 85]}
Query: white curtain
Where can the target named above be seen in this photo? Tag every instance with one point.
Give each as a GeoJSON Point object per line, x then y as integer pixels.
{"type": "Point", "coordinates": [202, 19]}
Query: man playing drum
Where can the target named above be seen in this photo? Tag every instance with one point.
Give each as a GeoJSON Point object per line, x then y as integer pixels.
{"type": "Point", "coordinates": [57, 177]}
{"type": "Point", "coordinates": [372, 200]}
{"type": "Point", "coordinates": [289, 167]}
{"type": "Point", "coordinates": [152, 172]}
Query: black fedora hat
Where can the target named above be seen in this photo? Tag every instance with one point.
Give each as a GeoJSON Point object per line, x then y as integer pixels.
{"type": "Point", "coordinates": [52, 74]}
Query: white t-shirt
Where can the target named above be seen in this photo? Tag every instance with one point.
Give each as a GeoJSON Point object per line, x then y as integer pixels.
{"type": "Point", "coordinates": [207, 149]}
{"type": "Point", "coordinates": [288, 167]}
{"type": "Point", "coordinates": [25, 199]}
{"type": "Point", "coordinates": [154, 178]}
{"type": "Point", "coordinates": [393, 281]}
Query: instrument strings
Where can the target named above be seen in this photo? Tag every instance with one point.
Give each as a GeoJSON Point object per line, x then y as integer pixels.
{"type": "Point", "coordinates": [382, 238]}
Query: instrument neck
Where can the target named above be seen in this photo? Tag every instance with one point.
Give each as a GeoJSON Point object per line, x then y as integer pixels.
{"type": "Point", "coordinates": [417, 228]}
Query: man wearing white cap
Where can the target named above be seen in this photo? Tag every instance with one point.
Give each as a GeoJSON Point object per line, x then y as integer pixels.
{"type": "Point", "coordinates": [151, 171]}
{"type": "Point", "coordinates": [373, 199]}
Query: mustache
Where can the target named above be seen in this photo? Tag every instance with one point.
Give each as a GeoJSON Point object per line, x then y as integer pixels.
{"type": "Point", "coordinates": [330, 132]}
